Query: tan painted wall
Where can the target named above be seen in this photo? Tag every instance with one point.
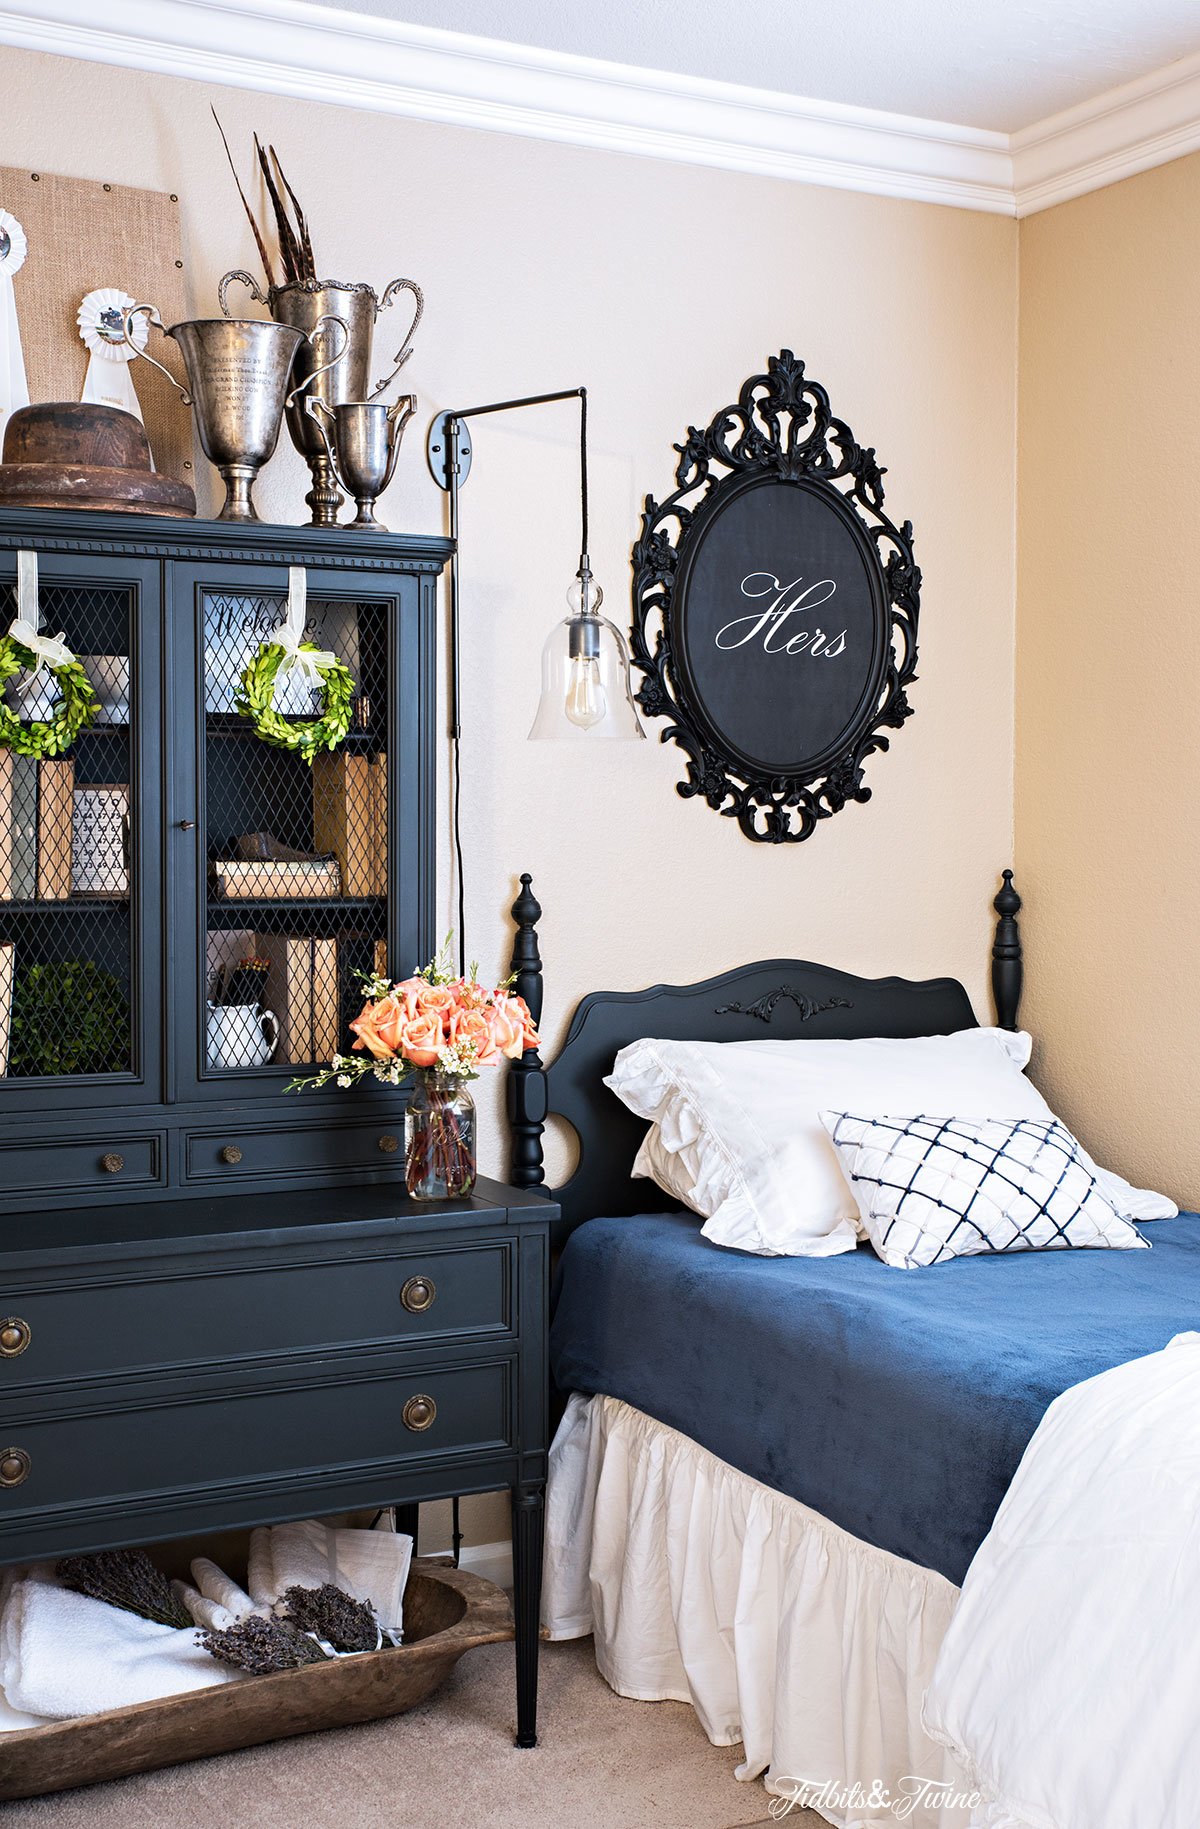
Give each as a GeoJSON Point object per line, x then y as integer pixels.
{"type": "Point", "coordinates": [1108, 666]}
{"type": "Point", "coordinates": [661, 287]}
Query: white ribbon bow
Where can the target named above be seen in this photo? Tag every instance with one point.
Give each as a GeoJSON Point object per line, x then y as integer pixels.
{"type": "Point", "coordinates": [47, 650]}
{"type": "Point", "coordinates": [290, 634]}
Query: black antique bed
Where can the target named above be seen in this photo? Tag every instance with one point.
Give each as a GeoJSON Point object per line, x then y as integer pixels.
{"type": "Point", "coordinates": [881, 1414]}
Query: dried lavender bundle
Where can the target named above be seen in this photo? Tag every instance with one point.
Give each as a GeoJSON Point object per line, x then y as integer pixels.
{"type": "Point", "coordinates": [126, 1579]}
{"type": "Point", "coordinates": [344, 1623]}
{"type": "Point", "coordinates": [263, 1645]}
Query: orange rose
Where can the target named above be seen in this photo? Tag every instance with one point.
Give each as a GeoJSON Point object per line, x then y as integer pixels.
{"type": "Point", "coordinates": [378, 1026]}
{"type": "Point", "coordinates": [434, 1000]}
{"type": "Point", "coordinates": [408, 991]}
{"type": "Point", "coordinates": [530, 1037]}
{"type": "Point", "coordinates": [475, 1027]}
{"type": "Point", "coordinates": [508, 1028]}
{"type": "Point", "coordinates": [421, 1039]}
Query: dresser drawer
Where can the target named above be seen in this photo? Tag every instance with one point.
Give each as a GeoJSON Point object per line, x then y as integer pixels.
{"type": "Point", "coordinates": [99, 1329]}
{"type": "Point", "coordinates": [314, 1430]}
{"type": "Point", "coordinates": [67, 1167]}
{"type": "Point", "coordinates": [230, 1156]}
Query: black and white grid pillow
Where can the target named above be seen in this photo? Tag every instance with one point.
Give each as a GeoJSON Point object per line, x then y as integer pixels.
{"type": "Point", "coordinates": [930, 1189]}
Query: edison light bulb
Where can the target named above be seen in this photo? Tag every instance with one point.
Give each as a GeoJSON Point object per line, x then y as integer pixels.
{"type": "Point", "coordinates": [586, 700]}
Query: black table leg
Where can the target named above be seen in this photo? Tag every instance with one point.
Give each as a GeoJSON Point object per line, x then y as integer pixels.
{"type": "Point", "coordinates": [406, 1521]}
{"type": "Point", "coordinates": [528, 1507]}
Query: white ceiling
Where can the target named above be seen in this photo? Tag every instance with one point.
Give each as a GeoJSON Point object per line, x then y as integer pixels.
{"type": "Point", "coordinates": [1001, 64]}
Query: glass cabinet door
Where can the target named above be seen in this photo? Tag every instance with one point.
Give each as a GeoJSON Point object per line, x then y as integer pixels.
{"type": "Point", "coordinates": [79, 859]}
{"type": "Point", "coordinates": [295, 864]}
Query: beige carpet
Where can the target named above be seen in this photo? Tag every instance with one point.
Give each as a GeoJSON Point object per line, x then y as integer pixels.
{"type": "Point", "coordinates": [603, 1763]}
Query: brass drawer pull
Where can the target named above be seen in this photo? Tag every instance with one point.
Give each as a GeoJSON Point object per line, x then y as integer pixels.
{"type": "Point", "coordinates": [418, 1414]}
{"type": "Point", "coordinates": [389, 1144]}
{"type": "Point", "coordinates": [15, 1465]}
{"type": "Point", "coordinates": [112, 1164]}
{"type": "Point", "coordinates": [231, 1154]}
{"type": "Point", "coordinates": [418, 1294]}
{"type": "Point", "coordinates": [15, 1336]}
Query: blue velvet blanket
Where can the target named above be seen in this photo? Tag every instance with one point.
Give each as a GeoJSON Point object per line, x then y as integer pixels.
{"type": "Point", "coordinates": [897, 1403]}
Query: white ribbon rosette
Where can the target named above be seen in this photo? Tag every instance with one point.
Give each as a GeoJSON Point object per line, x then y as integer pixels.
{"type": "Point", "coordinates": [300, 670]}
{"type": "Point", "coordinates": [102, 318]}
{"type": "Point", "coordinates": [14, 388]}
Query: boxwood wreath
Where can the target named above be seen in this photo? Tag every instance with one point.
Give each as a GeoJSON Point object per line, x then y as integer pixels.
{"type": "Point", "coordinates": [44, 736]}
{"type": "Point", "coordinates": [306, 737]}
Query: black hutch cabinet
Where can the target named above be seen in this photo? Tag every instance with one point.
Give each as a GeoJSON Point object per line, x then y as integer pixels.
{"type": "Point", "coordinates": [217, 1305]}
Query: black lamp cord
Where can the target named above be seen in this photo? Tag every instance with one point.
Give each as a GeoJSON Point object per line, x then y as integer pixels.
{"type": "Point", "coordinates": [454, 421]}
{"type": "Point", "coordinates": [583, 478]}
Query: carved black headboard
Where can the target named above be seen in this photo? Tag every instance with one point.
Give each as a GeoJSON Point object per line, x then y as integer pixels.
{"type": "Point", "coordinates": [776, 998]}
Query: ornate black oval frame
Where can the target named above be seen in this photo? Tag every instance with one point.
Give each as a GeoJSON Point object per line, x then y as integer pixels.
{"type": "Point", "coordinates": [781, 427]}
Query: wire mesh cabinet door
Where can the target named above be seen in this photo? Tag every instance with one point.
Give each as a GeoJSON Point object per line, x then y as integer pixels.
{"type": "Point", "coordinates": [291, 879]}
{"type": "Point", "coordinates": [80, 853]}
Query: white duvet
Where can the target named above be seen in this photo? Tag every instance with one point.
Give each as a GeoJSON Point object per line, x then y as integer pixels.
{"type": "Point", "coordinates": [1068, 1683]}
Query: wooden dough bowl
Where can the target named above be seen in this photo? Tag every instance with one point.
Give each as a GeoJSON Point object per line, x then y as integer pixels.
{"type": "Point", "coordinates": [446, 1612]}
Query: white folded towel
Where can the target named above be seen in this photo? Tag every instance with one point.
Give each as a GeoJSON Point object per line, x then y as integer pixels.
{"type": "Point", "coordinates": [64, 1654]}
{"type": "Point", "coordinates": [12, 1719]}
{"type": "Point", "coordinates": [368, 1565]}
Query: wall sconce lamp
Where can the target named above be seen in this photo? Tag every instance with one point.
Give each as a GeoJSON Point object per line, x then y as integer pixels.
{"type": "Point", "coordinates": [585, 663]}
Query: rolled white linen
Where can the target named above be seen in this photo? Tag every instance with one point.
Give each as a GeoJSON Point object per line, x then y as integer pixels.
{"type": "Point", "coordinates": [206, 1613]}
{"type": "Point", "coordinates": [221, 1591]}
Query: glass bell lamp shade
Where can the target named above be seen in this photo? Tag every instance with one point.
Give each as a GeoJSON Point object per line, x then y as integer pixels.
{"type": "Point", "coordinates": [585, 675]}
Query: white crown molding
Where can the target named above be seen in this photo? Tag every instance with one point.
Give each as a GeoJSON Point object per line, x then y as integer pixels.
{"type": "Point", "coordinates": [1124, 131]}
{"type": "Point", "coordinates": [291, 47]}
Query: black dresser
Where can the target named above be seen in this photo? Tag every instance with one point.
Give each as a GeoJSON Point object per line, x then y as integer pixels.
{"type": "Point", "coordinates": [183, 1366]}
{"type": "Point", "coordinates": [218, 1306]}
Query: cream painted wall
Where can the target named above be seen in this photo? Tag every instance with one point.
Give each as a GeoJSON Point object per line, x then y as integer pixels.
{"type": "Point", "coordinates": [661, 287]}
{"type": "Point", "coordinates": [1108, 666]}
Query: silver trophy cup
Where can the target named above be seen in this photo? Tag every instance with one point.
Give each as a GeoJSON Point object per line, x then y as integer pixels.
{"type": "Point", "coordinates": [362, 442]}
{"type": "Point", "coordinates": [238, 371]}
{"type": "Point", "coordinates": [347, 381]}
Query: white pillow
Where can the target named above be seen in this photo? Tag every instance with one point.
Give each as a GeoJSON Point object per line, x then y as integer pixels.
{"type": "Point", "coordinates": [930, 1189]}
{"type": "Point", "coordinates": [737, 1137]}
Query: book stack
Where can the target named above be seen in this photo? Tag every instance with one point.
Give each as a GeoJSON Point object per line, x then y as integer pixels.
{"type": "Point", "coordinates": [379, 823]}
{"type": "Point", "coordinates": [350, 818]}
{"type": "Point", "coordinates": [37, 808]}
{"type": "Point", "coordinates": [259, 880]}
{"type": "Point", "coordinates": [302, 990]}
{"type": "Point", "coordinates": [18, 827]}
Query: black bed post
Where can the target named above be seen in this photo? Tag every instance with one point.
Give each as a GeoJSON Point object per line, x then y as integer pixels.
{"type": "Point", "coordinates": [526, 1076]}
{"type": "Point", "coordinates": [1007, 970]}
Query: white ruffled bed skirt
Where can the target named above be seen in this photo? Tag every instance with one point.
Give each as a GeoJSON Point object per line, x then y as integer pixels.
{"type": "Point", "coordinates": [811, 1647]}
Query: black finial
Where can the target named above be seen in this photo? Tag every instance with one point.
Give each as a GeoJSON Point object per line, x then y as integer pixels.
{"type": "Point", "coordinates": [526, 957]}
{"type": "Point", "coordinates": [527, 1076]}
{"type": "Point", "coordinates": [1008, 902]}
{"type": "Point", "coordinates": [1007, 969]}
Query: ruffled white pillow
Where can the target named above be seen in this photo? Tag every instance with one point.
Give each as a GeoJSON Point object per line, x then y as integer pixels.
{"type": "Point", "coordinates": [736, 1133]}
